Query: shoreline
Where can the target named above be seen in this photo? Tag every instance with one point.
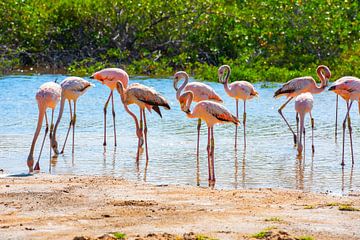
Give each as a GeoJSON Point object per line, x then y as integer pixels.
{"type": "Point", "coordinates": [47, 206]}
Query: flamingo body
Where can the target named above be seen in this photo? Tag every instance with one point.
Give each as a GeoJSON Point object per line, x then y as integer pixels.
{"type": "Point", "coordinates": [242, 90]}
{"type": "Point", "coordinates": [303, 105]}
{"type": "Point", "coordinates": [72, 89]}
{"type": "Point", "coordinates": [349, 89]}
{"type": "Point", "coordinates": [110, 76]}
{"type": "Point", "coordinates": [212, 113]}
{"type": "Point", "coordinates": [201, 92]}
{"type": "Point", "coordinates": [143, 97]}
{"type": "Point", "coordinates": [47, 96]}
{"type": "Point", "coordinates": [301, 85]}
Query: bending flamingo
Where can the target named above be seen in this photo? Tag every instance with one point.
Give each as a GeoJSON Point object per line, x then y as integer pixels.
{"type": "Point", "coordinates": [212, 113]}
{"type": "Point", "coordinates": [201, 92]}
{"type": "Point", "coordinates": [303, 105]}
{"type": "Point", "coordinates": [47, 97]}
{"type": "Point", "coordinates": [349, 89]}
{"type": "Point", "coordinates": [239, 90]}
{"type": "Point", "coordinates": [300, 85]}
{"type": "Point", "coordinates": [109, 77]}
{"type": "Point", "coordinates": [144, 97]}
{"type": "Point", "coordinates": [72, 89]}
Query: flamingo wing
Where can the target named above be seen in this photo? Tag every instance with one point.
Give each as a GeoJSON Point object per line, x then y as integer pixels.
{"type": "Point", "coordinates": [221, 113]}
{"type": "Point", "coordinates": [294, 85]}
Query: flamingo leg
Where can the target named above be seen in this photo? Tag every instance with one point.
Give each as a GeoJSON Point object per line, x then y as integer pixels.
{"type": "Point", "coordinates": [336, 116]}
{"type": "Point", "coordinates": [237, 116]}
{"type": "Point", "coordinates": [68, 131]}
{"type": "Point", "coordinates": [212, 154]}
{"type": "Point", "coordinates": [344, 128]}
{"type": "Point", "coordinates": [140, 143]}
{"type": "Point", "coordinates": [51, 133]}
{"type": "Point", "coordinates": [198, 143]}
{"type": "Point", "coordinates": [297, 123]}
{"type": "Point", "coordinates": [105, 108]}
{"type": "Point", "coordinates": [73, 123]}
{"type": "Point", "coordinates": [350, 134]}
{"type": "Point", "coordinates": [244, 122]}
{"type": "Point", "coordinates": [281, 114]}
{"type": "Point", "coordinates": [113, 114]}
{"type": "Point", "coordinates": [304, 141]}
{"type": "Point", "coordinates": [145, 136]}
{"type": "Point", "coordinates": [208, 152]}
{"type": "Point", "coordinates": [37, 165]}
{"type": "Point", "coordinates": [312, 133]}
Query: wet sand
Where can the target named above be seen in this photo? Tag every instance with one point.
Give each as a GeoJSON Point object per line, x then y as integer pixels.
{"type": "Point", "coordinates": [63, 207]}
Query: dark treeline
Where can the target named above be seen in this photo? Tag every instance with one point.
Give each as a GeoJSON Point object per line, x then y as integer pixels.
{"type": "Point", "coordinates": [269, 40]}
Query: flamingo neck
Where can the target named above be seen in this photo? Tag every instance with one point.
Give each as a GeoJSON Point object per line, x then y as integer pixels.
{"type": "Point", "coordinates": [323, 80]}
{"type": "Point", "coordinates": [42, 110]}
{"type": "Point", "coordinates": [226, 80]}
{"type": "Point", "coordinates": [132, 115]}
{"type": "Point", "coordinates": [62, 104]}
{"type": "Point", "coordinates": [181, 88]}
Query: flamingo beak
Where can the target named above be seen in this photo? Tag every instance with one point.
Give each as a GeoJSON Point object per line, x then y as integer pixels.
{"type": "Point", "coordinates": [92, 76]}
{"type": "Point", "coordinates": [332, 88]}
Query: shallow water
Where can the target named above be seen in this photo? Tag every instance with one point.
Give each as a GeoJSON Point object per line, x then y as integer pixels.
{"type": "Point", "coordinates": [269, 160]}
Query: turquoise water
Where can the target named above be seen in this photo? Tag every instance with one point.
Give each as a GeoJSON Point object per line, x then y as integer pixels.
{"type": "Point", "coordinates": [269, 161]}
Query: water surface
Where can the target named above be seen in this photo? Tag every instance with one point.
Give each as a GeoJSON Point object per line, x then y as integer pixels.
{"type": "Point", "coordinates": [269, 161]}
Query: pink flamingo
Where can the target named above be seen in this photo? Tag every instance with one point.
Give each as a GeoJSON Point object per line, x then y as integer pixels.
{"type": "Point", "coordinates": [109, 77]}
{"type": "Point", "coordinates": [300, 85]}
{"type": "Point", "coordinates": [201, 92]}
{"type": "Point", "coordinates": [212, 113]}
{"type": "Point", "coordinates": [143, 97]}
{"type": "Point", "coordinates": [303, 105]}
{"type": "Point", "coordinates": [47, 96]}
{"type": "Point", "coordinates": [72, 89]}
{"type": "Point", "coordinates": [239, 90]}
{"type": "Point", "coordinates": [349, 89]}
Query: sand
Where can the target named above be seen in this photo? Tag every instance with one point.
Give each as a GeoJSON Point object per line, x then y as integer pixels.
{"type": "Point", "coordinates": [47, 206]}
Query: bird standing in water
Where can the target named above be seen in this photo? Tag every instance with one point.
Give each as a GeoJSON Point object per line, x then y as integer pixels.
{"type": "Point", "coordinates": [212, 113]}
{"type": "Point", "coordinates": [72, 89]}
{"type": "Point", "coordinates": [349, 89]}
{"type": "Point", "coordinates": [143, 97]}
{"type": "Point", "coordinates": [239, 90]}
{"type": "Point", "coordinates": [47, 97]}
{"type": "Point", "coordinates": [109, 77]}
{"type": "Point", "coordinates": [201, 92]}
{"type": "Point", "coordinates": [300, 85]}
{"type": "Point", "coordinates": [303, 105]}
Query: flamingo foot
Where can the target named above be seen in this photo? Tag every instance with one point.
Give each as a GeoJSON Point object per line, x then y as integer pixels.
{"type": "Point", "coordinates": [37, 167]}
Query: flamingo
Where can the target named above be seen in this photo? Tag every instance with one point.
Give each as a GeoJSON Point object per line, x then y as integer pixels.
{"type": "Point", "coordinates": [201, 92]}
{"type": "Point", "coordinates": [300, 85]}
{"type": "Point", "coordinates": [47, 96]}
{"type": "Point", "coordinates": [239, 90]}
{"type": "Point", "coordinates": [72, 89]}
{"type": "Point", "coordinates": [303, 105]}
{"type": "Point", "coordinates": [109, 77]}
{"type": "Point", "coordinates": [212, 113]}
{"type": "Point", "coordinates": [143, 97]}
{"type": "Point", "coordinates": [349, 89]}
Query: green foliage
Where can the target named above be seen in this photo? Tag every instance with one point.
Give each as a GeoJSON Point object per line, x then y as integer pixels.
{"type": "Point", "coordinates": [261, 40]}
{"type": "Point", "coordinates": [305, 238]}
{"type": "Point", "coordinates": [348, 208]}
{"type": "Point", "coordinates": [119, 235]}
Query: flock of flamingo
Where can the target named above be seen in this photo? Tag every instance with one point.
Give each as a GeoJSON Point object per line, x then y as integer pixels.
{"type": "Point", "coordinates": [208, 106]}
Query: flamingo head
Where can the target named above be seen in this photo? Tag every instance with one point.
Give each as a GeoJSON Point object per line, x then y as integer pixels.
{"type": "Point", "coordinates": [182, 101]}
{"type": "Point", "coordinates": [325, 72]}
{"type": "Point", "coordinates": [221, 73]}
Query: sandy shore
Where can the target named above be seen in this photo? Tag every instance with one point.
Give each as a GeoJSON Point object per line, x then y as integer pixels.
{"type": "Point", "coordinates": [63, 207]}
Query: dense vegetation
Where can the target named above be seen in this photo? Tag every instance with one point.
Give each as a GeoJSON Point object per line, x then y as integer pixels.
{"type": "Point", "coordinates": [266, 40]}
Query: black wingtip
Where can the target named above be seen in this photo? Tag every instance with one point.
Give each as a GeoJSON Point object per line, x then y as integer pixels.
{"type": "Point", "coordinates": [157, 109]}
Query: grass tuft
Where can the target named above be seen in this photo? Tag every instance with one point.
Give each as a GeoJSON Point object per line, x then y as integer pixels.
{"type": "Point", "coordinates": [347, 207]}
{"type": "Point", "coordinates": [305, 238]}
{"type": "Point", "coordinates": [273, 219]}
{"type": "Point", "coordinates": [119, 235]}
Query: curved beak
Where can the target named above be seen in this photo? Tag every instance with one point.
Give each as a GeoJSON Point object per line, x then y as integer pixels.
{"type": "Point", "coordinates": [332, 88]}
